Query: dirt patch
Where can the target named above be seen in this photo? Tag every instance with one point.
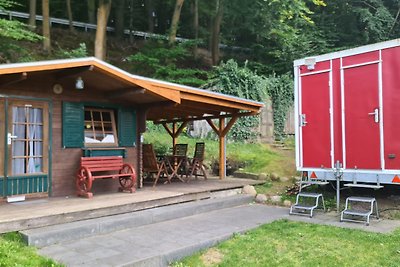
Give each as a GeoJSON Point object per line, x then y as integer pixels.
{"type": "Point", "coordinates": [211, 257]}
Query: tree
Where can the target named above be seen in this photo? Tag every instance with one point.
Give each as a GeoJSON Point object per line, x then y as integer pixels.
{"type": "Point", "coordinates": [32, 14]}
{"type": "Point", "coordinates": [103, 11]}
{"type": "Point", "coordinates": [150, 15]}
{"type": "Point", "coordinates": [120, 18]}
{"type": "Point", "coordinates": [12, 29]}
{"type": "Point", "coordinates": [216, 28]}
{"type": "Point", "coordinates": [70, 18]}
{"type": "Point", "coordinates": [91, 11]}
{"type": "Point", "coordinates": [46, 26]}
{"type": "Point", "coordinates": [175, 21]}
{"type": "Point", "coordinates": [195, 14]}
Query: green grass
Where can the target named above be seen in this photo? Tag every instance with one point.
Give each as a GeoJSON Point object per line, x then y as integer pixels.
{"type": "Point", "coordinates": [13, 252]}
{"type": "Point", "coordinates": [285, 243]}
{"type": "Point", "coordinates": [257, 158]}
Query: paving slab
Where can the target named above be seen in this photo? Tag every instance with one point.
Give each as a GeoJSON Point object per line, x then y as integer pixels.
{"type": "Point", "coordinates": [161, 243]}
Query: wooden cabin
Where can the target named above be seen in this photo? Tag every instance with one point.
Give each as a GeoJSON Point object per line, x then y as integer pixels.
{"type": "Point", "coordinates": [55, 112]}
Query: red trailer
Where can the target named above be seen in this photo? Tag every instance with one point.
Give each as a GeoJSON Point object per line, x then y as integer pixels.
{"type": "Point", "coordinates": [347, 107]}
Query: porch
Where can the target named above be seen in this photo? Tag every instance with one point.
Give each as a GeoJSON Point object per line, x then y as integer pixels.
{"type": "Point", "coordinates": [41, 212]}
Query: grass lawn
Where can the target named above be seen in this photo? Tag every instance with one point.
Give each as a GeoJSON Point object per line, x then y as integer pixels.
{"type": "Point", "coordinates": [286, 243]}
{"type": "Point", "coordinates": [13, 252]}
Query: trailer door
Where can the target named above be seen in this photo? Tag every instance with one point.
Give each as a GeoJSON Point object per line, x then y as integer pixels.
{"type": "Point", "coordinates": [361, 116]}
{"type": "Point", "coordinates": [315, 121]}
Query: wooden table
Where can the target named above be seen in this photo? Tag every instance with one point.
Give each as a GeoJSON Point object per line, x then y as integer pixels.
{"type": "Point", "coordinates": [175, 162]}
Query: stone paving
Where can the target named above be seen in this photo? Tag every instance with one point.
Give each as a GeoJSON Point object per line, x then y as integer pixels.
{"type": "Point", "coordinates": [159, 244]}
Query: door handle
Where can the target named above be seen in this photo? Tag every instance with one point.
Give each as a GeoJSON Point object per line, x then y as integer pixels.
{"type": "Point", "coordinates": [375, 114]}
{"type": "Point", "coordinates": [10, 137]}
{"type": "Point", "coordinates": [303, 121]}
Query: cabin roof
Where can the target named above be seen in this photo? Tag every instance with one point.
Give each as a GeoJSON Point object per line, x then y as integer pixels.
{"type": "Point", "coordinates": [164, 101]}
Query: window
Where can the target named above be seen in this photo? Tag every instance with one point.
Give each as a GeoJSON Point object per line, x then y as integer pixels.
{"type": "Point", "coordinates": [99, 127]}
{"type": "Point", "coordinates": [89, 125]}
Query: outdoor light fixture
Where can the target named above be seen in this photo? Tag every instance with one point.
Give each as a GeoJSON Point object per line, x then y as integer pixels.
{"type": "Point", "coordinates": [79, 84]}
{"type": "Point", "coordinates": [310, 62]}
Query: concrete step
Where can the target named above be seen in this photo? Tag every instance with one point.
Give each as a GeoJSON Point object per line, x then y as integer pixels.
{"type": "Point", "coordinates": [45, 236]}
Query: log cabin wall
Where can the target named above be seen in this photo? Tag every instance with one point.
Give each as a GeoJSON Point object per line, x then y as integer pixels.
{"type": "Point", "coordinates": [65, 161]}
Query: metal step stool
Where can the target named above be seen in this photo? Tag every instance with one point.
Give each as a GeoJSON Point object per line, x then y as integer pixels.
{"type": "Point", "coordinates": [301, 209]}
{"type": "Point", "coordinates": [349, 211]}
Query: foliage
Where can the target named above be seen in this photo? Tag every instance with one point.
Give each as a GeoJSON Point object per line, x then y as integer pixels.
{"type": "Point", "coordinates": [158, 60]}
{"type": "Point", "coordinates": [12, 29]}
{"type": "Point", "coordinates": [13, 252]}
{"type": "Point", "coordinates": [81, 51]}
{"type": "Point", "coordinates": [280, 89]}
{"type": "Point", "coordinates": [286, 243]}
{"type": "Point", "coordinates": [231, 79]}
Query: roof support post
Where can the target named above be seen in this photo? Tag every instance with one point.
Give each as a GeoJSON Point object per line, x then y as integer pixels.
{"type": "Point", "coordinates": [175, 131]}
{"type": "Point", "coordinates": [222, 131]}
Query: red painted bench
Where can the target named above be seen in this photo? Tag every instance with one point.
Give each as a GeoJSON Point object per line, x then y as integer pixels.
{"type": "Point", "coordinates": [93, 168]}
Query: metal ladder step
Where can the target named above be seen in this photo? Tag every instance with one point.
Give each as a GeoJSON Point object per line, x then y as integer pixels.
{"type": "Point", "coordinates": [301, 208]}
{"type": "Point", "coordinates": [364, 214]}
{"type": "Point", "coordinates": [372, 186]}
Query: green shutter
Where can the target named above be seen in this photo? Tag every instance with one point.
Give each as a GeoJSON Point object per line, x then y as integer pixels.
{"type": "Point", "coordinates": [72, 124]}
{"type": "Point", "coordinates": [126, 127]}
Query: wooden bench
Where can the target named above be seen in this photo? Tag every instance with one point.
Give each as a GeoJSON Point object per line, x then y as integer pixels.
{"type": "Point", "coordinates": [93, 168]}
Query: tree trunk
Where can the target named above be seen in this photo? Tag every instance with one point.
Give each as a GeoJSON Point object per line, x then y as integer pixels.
{"type": "Point", "coordinates": [32, 14]}
{"type": "Point", "coordinates": [150, 15]}
{"type": "Point", "coordinates": [100, 44]}
{"type": "Point", "coordinates": [215, 33]}
{"type": "Point", "coordinates": [46, 26]}
{"type": "Point", "coordinates": [175, 21]}
{"type": "Point", "coordinates": [91, 11]}
{"type": "Point", "coordinates": [195, 13]}
{"type": "Point", "coordinates": [70, 19]}
{"type": "Point", "coordinates": [120, 18]}
{"type": "Point", "coordinates": [131, 17]}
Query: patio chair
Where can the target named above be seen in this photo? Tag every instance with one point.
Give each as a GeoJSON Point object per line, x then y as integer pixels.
{"type": "Point", "coordinates": [152, 166]}
{"type": "Point", "coordinates": [180, 149]}
{"type": "Point", "coordinates": [196, 164]}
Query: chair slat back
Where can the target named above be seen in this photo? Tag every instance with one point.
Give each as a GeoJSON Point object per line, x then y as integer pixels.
{"type": "Point", "coordinates": [180, 149]}
{"type": "Point", "coordinates": [149, 158]}
{"type": "Point", "coordinates": [199, 151]}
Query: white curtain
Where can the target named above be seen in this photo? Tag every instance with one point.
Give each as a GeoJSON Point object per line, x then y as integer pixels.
{"type": "Point", "coordinates": [35, 140]}
{"type": "Point", "coordinates": [18, 146]}
{"type": "Point", "coordinates": [35, 147]}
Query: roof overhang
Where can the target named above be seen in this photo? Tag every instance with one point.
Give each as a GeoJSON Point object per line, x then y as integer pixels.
{"type": "Point", "coordinates": [163, 101]}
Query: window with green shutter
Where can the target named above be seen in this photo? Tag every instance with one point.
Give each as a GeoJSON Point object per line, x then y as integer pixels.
{"type": "Point", "coordinates": [76, 127]}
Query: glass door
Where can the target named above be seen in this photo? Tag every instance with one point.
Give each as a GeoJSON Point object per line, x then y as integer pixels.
{"type": "Point", "coordinates": [27, 142]}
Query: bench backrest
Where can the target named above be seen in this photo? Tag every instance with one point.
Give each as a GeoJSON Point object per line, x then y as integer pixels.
{"type": "Point", "coordinates": [98, 164]}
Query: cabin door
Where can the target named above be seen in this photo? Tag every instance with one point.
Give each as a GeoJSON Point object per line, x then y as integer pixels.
{"type": "Point", "coordinates": [362, 117]}
{"type": "Point", "coordinates": [26, 164]}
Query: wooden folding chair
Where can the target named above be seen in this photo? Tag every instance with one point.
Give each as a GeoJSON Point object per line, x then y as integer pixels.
{"type": "Point", "coordinates": [196, 164]}
{"type": "Point", "coordinates": [151, 166]}
{"type": "Point", "coordinates": [180, 149]}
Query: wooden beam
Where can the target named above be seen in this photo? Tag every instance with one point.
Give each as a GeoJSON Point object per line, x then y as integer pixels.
{"type": "Point", "coordinates": [229, 125]}
{"type": "Point", "coordinates": [125, 92]}
{"type": "Point", "coordinates": [180, 129]}
{"type": "Point", "coordinates": [166, 127]}
{"type": "Point", "coordinates": [242, 114]}
{"type": "Point", "coordinates": [69, 72]}
{"type": "Point", "coordinates": [211, 123]}
{"type": "Point", "coordinates": [222, 155]}
{"type": "Point", "coordinates": [14, 79]}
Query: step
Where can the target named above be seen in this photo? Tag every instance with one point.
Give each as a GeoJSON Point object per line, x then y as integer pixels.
{"type": "Point", "coordinates": [363, 213]}
{"type": "Point", "coordinates": [304, 207]}
{"type": "Point", "coordinates": [372, 186]}
{"type": "Point", "coordinates": [45, 236]}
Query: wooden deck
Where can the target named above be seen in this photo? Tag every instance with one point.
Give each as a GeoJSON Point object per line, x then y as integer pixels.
{"type": "Point", "coordinates": [49, 211]}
